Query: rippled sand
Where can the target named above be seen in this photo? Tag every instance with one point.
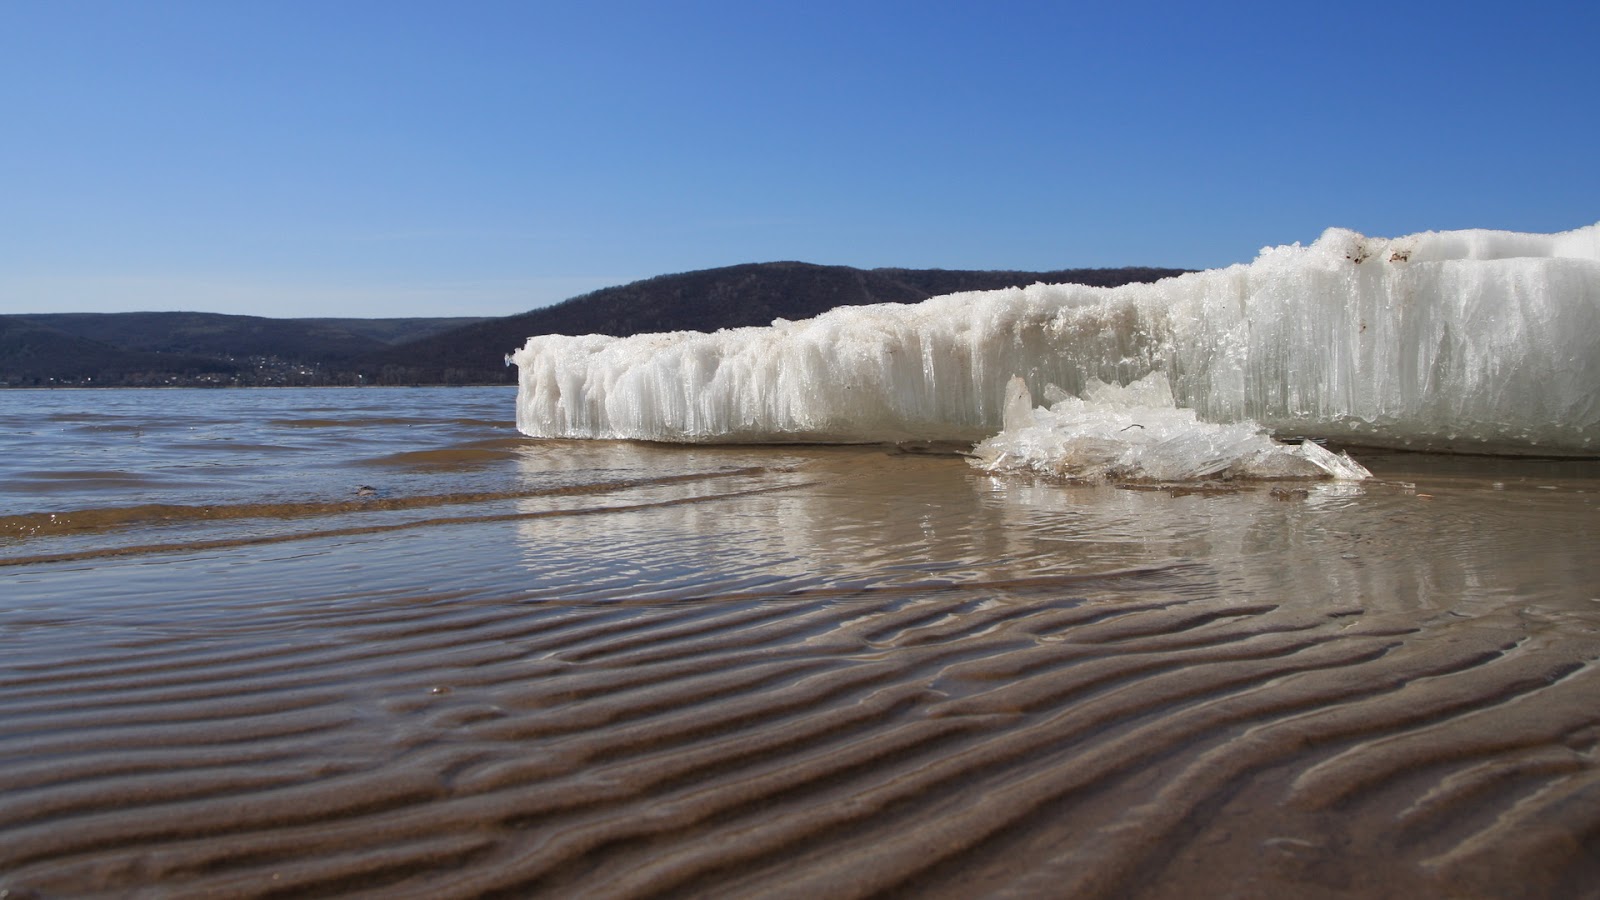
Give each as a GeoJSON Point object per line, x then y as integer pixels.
{"type": "Point", "coordinates": [822, 672]}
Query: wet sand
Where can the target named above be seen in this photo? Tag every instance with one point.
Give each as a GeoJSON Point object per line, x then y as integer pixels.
{"type": "Point", "coordinates": [824, 672]}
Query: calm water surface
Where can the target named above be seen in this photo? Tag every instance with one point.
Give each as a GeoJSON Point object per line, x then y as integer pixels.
{"type": "Point", "coordinates": [393, 646]}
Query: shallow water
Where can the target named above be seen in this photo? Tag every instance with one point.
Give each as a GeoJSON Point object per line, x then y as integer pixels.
{"type": "Point", "coordinates": [342, 641]}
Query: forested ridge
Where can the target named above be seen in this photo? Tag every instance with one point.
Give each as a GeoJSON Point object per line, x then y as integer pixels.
{"type": "Point", "coordinates": [201, 349]}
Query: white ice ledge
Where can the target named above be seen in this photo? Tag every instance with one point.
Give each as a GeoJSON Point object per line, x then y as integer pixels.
{"type": "Point", "coordinates": [1477, 341]}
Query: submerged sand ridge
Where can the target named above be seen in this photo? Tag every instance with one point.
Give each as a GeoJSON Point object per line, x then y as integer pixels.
{"type": "Point", "coordinates": [828, 672]}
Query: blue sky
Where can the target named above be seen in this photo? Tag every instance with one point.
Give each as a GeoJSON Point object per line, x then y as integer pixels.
{"type": "Point", "coordinates": [341, 158]}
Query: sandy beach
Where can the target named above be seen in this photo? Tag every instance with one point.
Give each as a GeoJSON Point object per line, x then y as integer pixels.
{"type": "Point", "coordinates": [525, 450]}
{"type": "Point", "coordinates": [820, 672]}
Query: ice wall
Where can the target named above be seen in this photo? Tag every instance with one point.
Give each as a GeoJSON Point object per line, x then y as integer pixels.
{"type": "Point", "coordinates": [1468, 340]}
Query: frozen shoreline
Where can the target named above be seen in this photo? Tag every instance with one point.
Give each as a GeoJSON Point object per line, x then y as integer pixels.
{"type": "Point", "coordinates": [1475, 341]}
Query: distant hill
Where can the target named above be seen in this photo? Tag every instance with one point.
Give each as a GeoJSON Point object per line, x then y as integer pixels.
{"type": "Point", "coordinates": [35, 354]}
{"type": "Point", "coordinates": [395, 331]}
{"type": "Point", "coordinates": [156, 348]}
{"type": "Point", "coordinates": [113, 349]}
{"type": "Point", "coordinates": [214, 334]}
{"type": "Point", "coordinates": [706, 300]}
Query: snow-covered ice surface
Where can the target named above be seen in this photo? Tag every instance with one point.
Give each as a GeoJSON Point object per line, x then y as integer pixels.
{"type": "Point", "coordinates": [1468, 341]}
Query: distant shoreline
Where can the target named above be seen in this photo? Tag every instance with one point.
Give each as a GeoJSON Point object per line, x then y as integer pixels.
{"type": "Point", "coordinates": [194, 349]}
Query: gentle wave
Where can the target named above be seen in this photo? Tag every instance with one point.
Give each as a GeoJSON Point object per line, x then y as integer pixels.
{"type": "Point", "coordinates": [381, 421]}
{"type": "Point", "coordinates": [99, 520]}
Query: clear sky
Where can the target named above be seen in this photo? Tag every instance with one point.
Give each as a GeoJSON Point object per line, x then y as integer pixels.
{"type": "Point", "coordinates": [394, 158]}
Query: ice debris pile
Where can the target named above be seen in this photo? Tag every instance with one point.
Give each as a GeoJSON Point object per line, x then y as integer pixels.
{"type": "Point", "coordinates": [1476, 341]}
{"type": "Point", "coordinates": [1137, 433]}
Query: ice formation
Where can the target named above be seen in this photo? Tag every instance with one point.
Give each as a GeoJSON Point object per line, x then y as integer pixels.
{"type": "Point", "coordinates": [1137, 433]}
{"type": "Point", "coordinates": [1477, 341]}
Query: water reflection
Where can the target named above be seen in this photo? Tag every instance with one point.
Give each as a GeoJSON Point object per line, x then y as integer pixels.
{"type": "Point", "coordinates": [776, 520]}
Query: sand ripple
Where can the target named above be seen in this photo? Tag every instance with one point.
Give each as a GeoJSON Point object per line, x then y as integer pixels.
{"type": "Point", "coordinates": [1059, 736]}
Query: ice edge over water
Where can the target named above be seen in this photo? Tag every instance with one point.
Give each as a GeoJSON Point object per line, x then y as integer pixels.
{"type": "Point", "coordinates": [1468, 341]}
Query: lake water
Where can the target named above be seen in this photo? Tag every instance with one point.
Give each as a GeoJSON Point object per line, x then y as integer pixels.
{"type": "Point", "coordinates": [345, 641]}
